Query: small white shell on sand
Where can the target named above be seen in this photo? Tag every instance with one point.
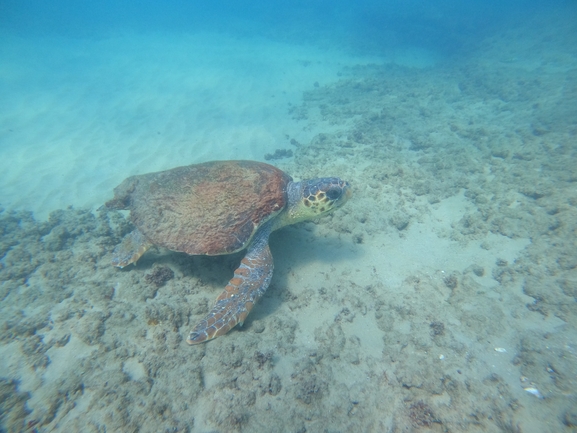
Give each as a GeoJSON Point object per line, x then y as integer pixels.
{"type": "Point", "coordinates": [500, 350]}
{"type": "Point", "coordinates": [534, 391]}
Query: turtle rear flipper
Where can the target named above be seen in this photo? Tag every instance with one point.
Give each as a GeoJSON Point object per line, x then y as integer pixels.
{"type": "Point", "coordinates": [132, 247]}
{"type": "Point", "coordinates": [250, 281]}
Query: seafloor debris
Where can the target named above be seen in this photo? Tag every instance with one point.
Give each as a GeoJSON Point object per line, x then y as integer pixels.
{"type": "Point", "coordinates": [534, 391]}
{"type": "Point", "coordinates": [279, 154]}
{"type": "Point", "coordinates": [422, 415]}
{"type": "Point", "coordinates": [159, 276]}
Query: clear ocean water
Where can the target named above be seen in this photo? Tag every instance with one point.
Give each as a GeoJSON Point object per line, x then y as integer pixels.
{"type": "Point", "coordinates": [441, 297]}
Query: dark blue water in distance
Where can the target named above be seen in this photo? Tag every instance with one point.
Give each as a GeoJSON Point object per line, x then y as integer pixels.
{"type": "Point", "coordinates": [442, 25]}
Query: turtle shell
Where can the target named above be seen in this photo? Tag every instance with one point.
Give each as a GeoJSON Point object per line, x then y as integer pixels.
{"type": "Point", "coordinates": [210, 208]}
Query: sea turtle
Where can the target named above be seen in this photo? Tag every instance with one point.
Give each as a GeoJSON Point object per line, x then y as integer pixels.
{"type": "Point", "coordinates": [221, 207]}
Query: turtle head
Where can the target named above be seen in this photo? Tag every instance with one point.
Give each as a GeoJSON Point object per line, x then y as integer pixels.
{"type": "Point", "coordinates": [314, 198]}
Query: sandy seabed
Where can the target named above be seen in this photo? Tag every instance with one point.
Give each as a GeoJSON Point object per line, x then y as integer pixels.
{"type": "Point", "coordinates": [442, 298]}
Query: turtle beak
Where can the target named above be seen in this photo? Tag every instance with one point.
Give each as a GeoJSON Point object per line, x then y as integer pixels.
{"type": "Point", "coordinates": [348, 190]}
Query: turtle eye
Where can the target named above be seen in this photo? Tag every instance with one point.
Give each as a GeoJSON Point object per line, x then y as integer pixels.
{"type": "Point", "coordinates": [334, 193]}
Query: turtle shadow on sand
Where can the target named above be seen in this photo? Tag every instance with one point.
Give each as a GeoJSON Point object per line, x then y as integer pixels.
{"type": "Point", "coordinates": [303, 244]}
{"type": "Point", "coordinates": [291, 250]}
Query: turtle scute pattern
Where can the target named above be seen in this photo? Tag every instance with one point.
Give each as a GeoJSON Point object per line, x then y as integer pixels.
{"type": "Point", "coordinates": [210, 208]}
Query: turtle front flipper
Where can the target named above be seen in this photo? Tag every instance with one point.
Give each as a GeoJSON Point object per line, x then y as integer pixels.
{"type": "Point", "coordinates": [132, 247]}
{"type": "Point", "coordinates": [250, 281]}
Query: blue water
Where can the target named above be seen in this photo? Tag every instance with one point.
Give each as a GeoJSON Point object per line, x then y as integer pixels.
{"type": "Point", "coordinates": [441, 297]}
{"type": "Point", "coordinates": [373, 25]}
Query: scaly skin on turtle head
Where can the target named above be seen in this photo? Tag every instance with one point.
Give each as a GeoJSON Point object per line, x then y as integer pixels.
{"type": "Point", "coordinates": [314, 198]}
